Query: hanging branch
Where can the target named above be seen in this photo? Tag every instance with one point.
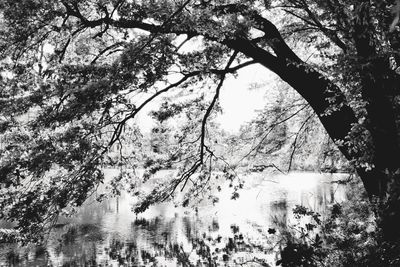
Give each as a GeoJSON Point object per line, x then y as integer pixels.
{"type": "Point", "coordinates": [270, 129]}
{"type": "Point", "coordinates": [295, 140]}
{"type": "Point", "coordinates": [222, 72]}
{"type": "Point", "coordinates": [118, 129]}
{"type": "Point", "coordinates": [186, 175]}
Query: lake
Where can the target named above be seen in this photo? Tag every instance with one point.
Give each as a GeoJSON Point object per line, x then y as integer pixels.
{"type": "Point", "coordinates": [110, 234]}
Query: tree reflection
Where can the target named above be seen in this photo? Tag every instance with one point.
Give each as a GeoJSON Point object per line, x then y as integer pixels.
{"type": "Point", "coordinates": [99, 236]}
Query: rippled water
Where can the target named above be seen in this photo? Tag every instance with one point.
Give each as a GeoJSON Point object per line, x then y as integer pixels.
{"type": "Point", "coordinates": [110, 234]}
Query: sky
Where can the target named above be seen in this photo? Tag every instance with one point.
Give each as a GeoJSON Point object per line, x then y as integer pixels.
{"type": "Point", "coordinates": [239, 104]}
{"type": "Point", "coordinates": [240, 98]}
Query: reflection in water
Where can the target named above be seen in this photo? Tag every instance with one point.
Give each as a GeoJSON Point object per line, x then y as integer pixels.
{"type": "Point", "coordinates": [110, 234]}
{"type": "Point", "coordinates": [279, 213]}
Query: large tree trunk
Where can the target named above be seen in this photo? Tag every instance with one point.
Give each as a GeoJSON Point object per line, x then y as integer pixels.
{"type": "Point", "coordinates": [376, 160]}
{"type": "Point", "coordinates": [388, 210]}
{"type": "Point", "coordinates": [380, 85]}
{"type": "Point", "coordinates": [380, 179]}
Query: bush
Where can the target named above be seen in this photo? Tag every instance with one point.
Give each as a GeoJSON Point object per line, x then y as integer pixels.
{"type": "Point", "coordinates": [347, 236]}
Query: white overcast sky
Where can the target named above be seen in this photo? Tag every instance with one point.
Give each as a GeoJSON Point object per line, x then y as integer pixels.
{"type": "Point", "coordinates": [239, 104]}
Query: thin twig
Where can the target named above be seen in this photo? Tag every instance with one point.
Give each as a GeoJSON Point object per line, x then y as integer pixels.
{"type": "Point", "coordinates": [295, 140]}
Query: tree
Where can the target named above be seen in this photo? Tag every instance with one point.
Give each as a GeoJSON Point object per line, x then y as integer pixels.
{"type": "Point", "coordinates": [75, 65]}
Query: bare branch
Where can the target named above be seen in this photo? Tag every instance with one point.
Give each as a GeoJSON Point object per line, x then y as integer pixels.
{"type": "Point", "coordinates": [331, 34]}
{"type": "Point", "coordinates": [198, 163]}
{"type": "Point", "coordinates": [233, 69]}
{"type": "Point", "coordinates": [270, 129]}
{"type": "Point", "coordinates": [211, 106]}
{"type": "Point", "coordinates": [295, 140]}
{"type": "Point", "coordinates": [118, 130]}
{"type": "Point", "coordinates": [301, 18]}
{"type": "Point", "coordinates": [102, 52]}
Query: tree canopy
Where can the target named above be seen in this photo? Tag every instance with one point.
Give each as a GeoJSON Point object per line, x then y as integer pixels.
{"type": "Point", "coordinates": [74, 74]}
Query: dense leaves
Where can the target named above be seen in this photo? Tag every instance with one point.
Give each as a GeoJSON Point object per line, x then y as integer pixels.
{"type": "Point", "coordinates": [75, 74]}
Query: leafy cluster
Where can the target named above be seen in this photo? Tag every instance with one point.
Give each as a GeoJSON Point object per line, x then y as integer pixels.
{"type": "Point", "coordinates": [347, 236]}
{"type": "Point", "coordinates": [75, 74]}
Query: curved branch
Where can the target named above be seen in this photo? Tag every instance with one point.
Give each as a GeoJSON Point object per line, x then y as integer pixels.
{"type": "Point", "coordinates": [295, 140]}
{"type": "Point", "coordinates": [331, 34]}
{"type": "Point", "coordinates": [124, 23]}
{"type": "Point", "coordinates": [102, 52]}
{"type": "Point", "coordinates": [212, 104]}
{"type": "Point", "coordinates": [185, 177]}
{"type": "Point", "coordinates": [118, 130]}
{"type": "Point", "coordinates": [318, 91]}
{"type": "Point", "coordinates": [270, 129]}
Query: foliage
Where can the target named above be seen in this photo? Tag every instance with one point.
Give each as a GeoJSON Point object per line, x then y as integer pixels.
{"type": "Point", "coordinates": [347, 236]}
{"type": "Point", "coordinates": [75, 74]}
{"type": "Point", "coordinates": [286, 136]}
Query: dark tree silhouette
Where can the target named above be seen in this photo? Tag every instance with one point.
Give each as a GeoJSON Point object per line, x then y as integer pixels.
{"type": "Point", "coordinates": [77, 64]}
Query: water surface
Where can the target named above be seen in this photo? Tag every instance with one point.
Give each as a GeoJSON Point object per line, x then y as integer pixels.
{"type": "Point", "coordinates": [110, 234]}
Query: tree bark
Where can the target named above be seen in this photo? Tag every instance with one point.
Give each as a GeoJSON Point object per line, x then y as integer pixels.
{"type": "Point", "coordinates": [379, 88]}
{"type": "Point", "coordinates": [329, 103]}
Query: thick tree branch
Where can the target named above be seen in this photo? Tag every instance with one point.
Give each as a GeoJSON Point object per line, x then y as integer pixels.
{"type": "Point", "coordinates": [318, 91]}
{"type": "Point", "coordinates": [379, 87]}
{"type": "Point", "coordinates": [73, 10]}
{"type": "Point", "coordinates": [274, 39]}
